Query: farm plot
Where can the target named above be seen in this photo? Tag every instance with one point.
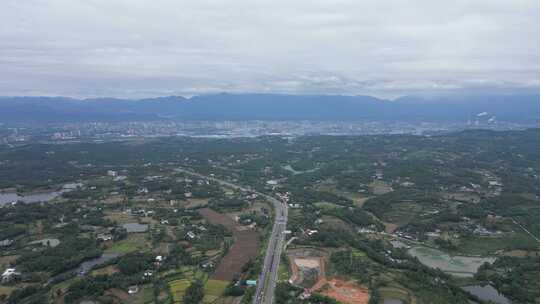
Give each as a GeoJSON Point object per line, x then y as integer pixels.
{"type": "Point", "coordinates": [180, 282]}
{"type": "Point", "coordinates": [213, 290]}
{"type": "Point", "coordinates": [244, 249]}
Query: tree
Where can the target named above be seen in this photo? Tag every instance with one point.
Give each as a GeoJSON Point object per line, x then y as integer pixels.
{"type": "Point", "coordinates": [194, 293]}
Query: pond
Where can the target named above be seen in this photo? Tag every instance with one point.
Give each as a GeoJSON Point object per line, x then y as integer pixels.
{"type": "Point", "coordinates": [86, 266]}
{"type": "Point", "coordinates": [392, 301]}
{"type": "Point", "coordinates": [464, 266]}
{"type": "Point", "coordinates": [487, 293]}
{"type": "Point", "coordinates": [9, 197]}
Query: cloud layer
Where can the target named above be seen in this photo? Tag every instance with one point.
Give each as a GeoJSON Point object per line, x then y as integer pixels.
{"type": "Point", "coordinates": [135, 48]}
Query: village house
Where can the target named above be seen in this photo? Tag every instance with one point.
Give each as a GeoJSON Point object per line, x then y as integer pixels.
{"type": "Point", "coordinates": [9, 274]}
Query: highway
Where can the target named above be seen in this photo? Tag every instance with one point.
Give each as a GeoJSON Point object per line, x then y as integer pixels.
{"type": "Point", "coordinates": [266, 283]}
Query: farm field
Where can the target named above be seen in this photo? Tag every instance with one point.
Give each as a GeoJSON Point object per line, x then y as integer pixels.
{"type": "Point", "coordinates": [492, 244]}
{"type": "Point", "coordinates": [244, 249]}
{"type": "Point", "coordinates": [179, 283]}
{"type": "Point", "coordinates": [395, 295]}
{"type": "Point", "coordinates": [213, 290]}
{"type": "Point", "coordinates": [131, 244]}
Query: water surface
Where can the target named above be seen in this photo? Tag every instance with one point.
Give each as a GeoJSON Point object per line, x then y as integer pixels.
{"type": "Point", "coordinates": [487, 293]}
{"type": "Point", "coordinates": [86, 266]}
{"type": "Point", "coordinates": [465, 266]}
{"type": "Point", "coordinates": [10, 197]}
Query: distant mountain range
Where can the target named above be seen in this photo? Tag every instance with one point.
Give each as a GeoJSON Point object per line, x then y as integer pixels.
{"type": "Point", "coordinates": [450, 108]}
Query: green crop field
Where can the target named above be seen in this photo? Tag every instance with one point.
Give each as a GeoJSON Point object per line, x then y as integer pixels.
{"type": "Point", "coordinates": [180, 281]}
{"type": "Point", "coordinates": [123, 247]}
{"type": "Point", "coordinates": [178, 288]}
{"type": "Point", "coordinates": [213, 289]}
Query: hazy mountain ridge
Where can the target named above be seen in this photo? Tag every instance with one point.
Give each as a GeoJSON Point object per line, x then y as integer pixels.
{"type": "Point", "coordinates": [515, 108]}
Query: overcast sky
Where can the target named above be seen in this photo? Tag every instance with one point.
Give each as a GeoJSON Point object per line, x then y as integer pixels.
{"type": "Point", "coordinates": [135, 48]}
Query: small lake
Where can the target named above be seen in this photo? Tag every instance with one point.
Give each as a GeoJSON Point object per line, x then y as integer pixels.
{"type": "Point", "coordinates": [392, 301]}
{"type": "Point", "coordinates": [86, 266]}
{"type": "Point", "coordinates": [487, 293]}
{"type": "Point", "coordinates": [463, 266]}
{"type": "Point", "coordinates": [9, 197]}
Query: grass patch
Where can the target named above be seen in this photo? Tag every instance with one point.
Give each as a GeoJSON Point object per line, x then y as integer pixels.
{"type": "Point", "coordinates": [179, 282]}
{"type": "Point", "coordinates": [145, 296]}
{"type": "Point", "coordinates": [123, 247]}
{"type": "Point", "coordinates": [358, 253]}
{"type": "Point", "coordinates": [108, 270]}
{"type": "Point", "coordinates": [402, 213]}
{"type": "Point", "coordinates": [213, 290]}
{"type": "Point", "coordinates": [489, 245]}
{"type": "Point", "coordinates": [283, 272]}
{"type": "Point", "coordinates": [397, 293]}
{"type": "Point", "coordinates": [178, 289]}
{"type": "Point", "coordinates": [327, 206]}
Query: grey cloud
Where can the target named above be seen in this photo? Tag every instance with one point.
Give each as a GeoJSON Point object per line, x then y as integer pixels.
{"type": "Point", "coordinates": [136, 48]}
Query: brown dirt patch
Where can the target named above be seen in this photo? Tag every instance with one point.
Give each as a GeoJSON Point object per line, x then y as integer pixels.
{"type": "Point", "coordinates": [119, 294]}
{"type": "Point", "coordinates": [380, 187]}
{"type": "Point", "coordinates": [5, 261]}
{"type": "Point", "coordinates": [245, 247]}
{"type": "Point", "coordinates": [345, 291]}
{"type": "Point", "coordinates": [119, 217]}
{"type": "Point", "coordinates": [307, 267]}
{"type": "Point", "coordinates": [6, 290]}
{"type": "Point", "coordinates": [196, 203]}
{"type": "Point", "coordinates": [390, 227]}
{"type": "Point", "coordinates": [108, 270]}
{"type": "Point", "coordinates": [359, 201]}
{"type": "Point", "coordinates": [521, 253]}
{"type": "Point", "coordinates": [116, 199]}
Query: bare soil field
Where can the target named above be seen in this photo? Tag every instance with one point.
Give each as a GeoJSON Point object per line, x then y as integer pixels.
{"type": "Point", "coordinates": [6, 260]}
{"type": "Point", "coordinates": [6, 290]}
{"type": "Point", "coordinates": [380, 187]}
{"type": "Point", "coordinates": [520, 253]}
{"type": "Point", "coordinates": [119, 217]}
{"type": "Point", "coordinates": [245, 247]}
{"type": "Point", "coordinates": [307, 267]}
{"type": "Point", "coordinates": [196, 203]}
{"type": "Point", "coordinates": [390, 227]}
{"type": "Point", "coordinates": [462, 196]}
{"type": "Point", "coordinates": [346, 292]}
{"type": "Point", "coordinates": [115, 199]}
{"type": "Point", "coordinates": [119, 294]}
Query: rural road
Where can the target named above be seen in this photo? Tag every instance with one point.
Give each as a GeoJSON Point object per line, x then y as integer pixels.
{"type": "Point", "coordinates": [269, 275]}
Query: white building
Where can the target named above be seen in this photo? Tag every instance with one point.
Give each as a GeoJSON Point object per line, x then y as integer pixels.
{"type": "Point", "coordinates": [9, 273]}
